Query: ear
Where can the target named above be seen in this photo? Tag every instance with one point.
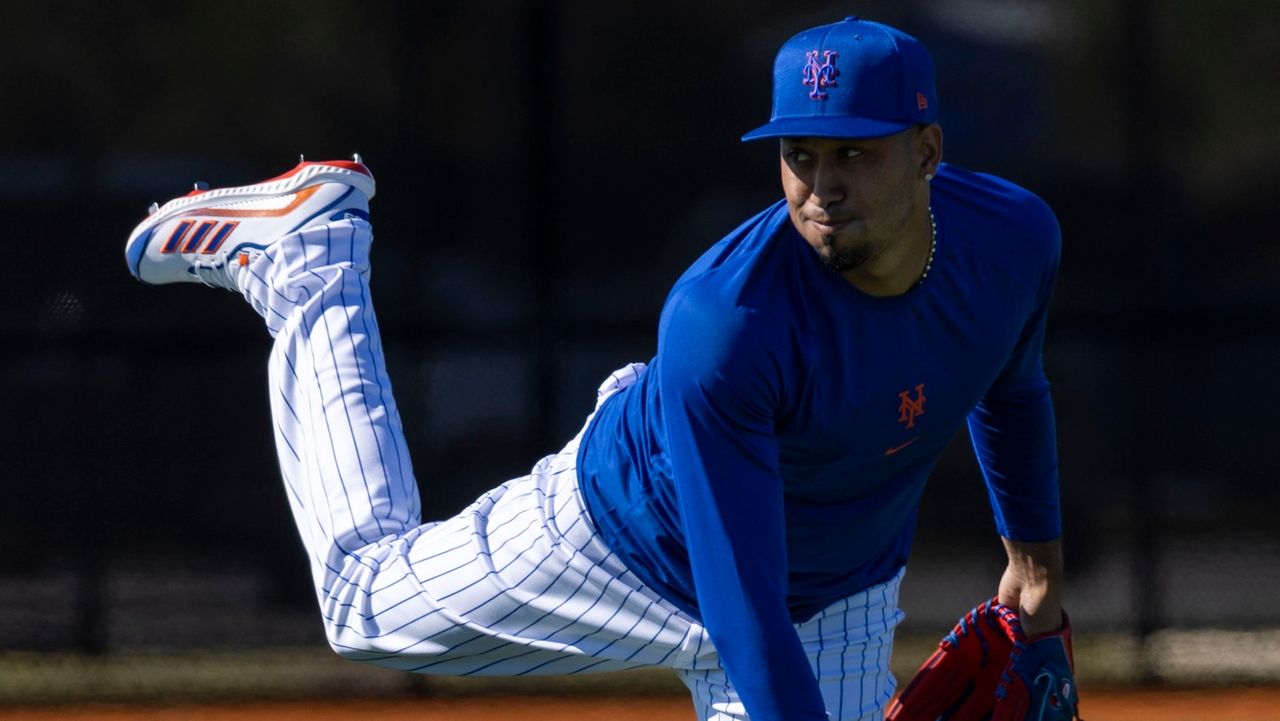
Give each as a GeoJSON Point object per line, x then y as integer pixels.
{"type": "Point", "coordinates": [928, 148]}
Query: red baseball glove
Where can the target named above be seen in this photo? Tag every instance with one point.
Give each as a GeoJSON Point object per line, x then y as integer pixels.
{"type": "Point", "coordinates": [987, 669]}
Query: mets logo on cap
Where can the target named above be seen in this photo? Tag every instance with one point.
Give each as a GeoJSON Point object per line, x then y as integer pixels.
{"type": "Point", "coordinates": [820, 76]}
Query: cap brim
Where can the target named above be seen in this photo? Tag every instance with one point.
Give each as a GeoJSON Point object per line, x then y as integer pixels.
{"type": "Point", "coordinates": [826, 127]}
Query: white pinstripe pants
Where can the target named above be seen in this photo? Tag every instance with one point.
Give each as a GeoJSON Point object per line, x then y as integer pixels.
{"type": "Point", "coordinates": [519, 582]}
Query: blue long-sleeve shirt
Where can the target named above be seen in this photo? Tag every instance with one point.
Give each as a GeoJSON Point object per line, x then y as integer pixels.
{"type": "Point", "coordinates": [770, 461]}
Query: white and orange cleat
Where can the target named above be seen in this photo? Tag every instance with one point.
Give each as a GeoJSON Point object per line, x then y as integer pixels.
{"type": "Point", "coordinates": [205, 235]}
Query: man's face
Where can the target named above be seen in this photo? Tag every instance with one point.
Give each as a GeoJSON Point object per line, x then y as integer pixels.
{"type": "Point", "coordinates": [851, 198]}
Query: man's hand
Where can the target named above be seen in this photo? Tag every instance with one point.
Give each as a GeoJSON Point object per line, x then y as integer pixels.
{"type": "Point", "coordinates": [1009, 659]}
{"type": "Point", "coordinates": [1032, 584]}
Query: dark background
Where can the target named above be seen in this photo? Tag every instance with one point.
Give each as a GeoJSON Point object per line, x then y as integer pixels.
{"type": "Point", "coordinates": [546, 170]}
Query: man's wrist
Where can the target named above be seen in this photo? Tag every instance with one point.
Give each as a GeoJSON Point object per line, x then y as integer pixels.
{"type": "Point", "coordinates": [1032, 583]}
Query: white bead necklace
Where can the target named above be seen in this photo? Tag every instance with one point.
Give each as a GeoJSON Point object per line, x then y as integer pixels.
{"type": "Point", "coordinates": [933, 247]}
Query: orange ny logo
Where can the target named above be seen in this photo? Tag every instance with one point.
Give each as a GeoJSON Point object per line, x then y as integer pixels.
{"type": "Point", "coordinates": [909, 408]}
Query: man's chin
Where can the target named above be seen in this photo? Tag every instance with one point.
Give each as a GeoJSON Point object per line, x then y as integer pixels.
{"type": "Point", "coordinates": [841, 259]}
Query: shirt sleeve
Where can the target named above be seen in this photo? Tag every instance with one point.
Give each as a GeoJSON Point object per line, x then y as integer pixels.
{"type": "Point", "coordinates": [1013, 431]}
{"type": "Point", "coordinates": [720, 393]}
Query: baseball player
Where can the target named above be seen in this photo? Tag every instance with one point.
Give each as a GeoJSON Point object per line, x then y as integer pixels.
{"type": "Point", "coordinates": [741, 508]}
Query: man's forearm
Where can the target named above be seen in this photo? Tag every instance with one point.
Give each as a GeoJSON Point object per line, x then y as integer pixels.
{"type": "Point", "coordinates": [1032, 583]}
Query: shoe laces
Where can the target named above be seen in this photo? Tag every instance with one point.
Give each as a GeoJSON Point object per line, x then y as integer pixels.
{"type": "Point", "coordinates": [221, 270]}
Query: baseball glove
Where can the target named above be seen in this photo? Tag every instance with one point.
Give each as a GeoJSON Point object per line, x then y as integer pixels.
{"type": "Point", "coordinates": [987, 669]}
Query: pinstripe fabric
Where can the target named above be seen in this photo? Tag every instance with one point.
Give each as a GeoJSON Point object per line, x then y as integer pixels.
{"type": "Point", "coordinates": [517, 583]}
{"type": "Point", "coordinates": [848, 645]}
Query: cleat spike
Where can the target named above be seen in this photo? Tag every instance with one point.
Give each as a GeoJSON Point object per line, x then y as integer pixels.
{"type": "Point", "coordinates": [201, 185]}
{"type": "Point", "coordinates": [301, 158]}
{"type": "Point", "coordinates": [153, 209]}
{"type": "Point", "coordinates": [356, 157]}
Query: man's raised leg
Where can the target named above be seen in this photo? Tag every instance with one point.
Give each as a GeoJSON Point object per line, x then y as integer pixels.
{"type": "Point", "coordinates": [517, 583]}
{"type": "Point", "coordinates": [339, 439]}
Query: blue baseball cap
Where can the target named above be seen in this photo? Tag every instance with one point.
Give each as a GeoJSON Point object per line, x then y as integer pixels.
{"type": "Point", "coordinates": [851, 79]}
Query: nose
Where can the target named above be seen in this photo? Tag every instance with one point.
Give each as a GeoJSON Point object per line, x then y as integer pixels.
{"type": "Point", "coordinates": [828, 185]}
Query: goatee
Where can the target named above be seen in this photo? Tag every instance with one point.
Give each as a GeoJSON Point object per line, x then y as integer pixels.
{"type": "Point", "coordinates": [842, 260]}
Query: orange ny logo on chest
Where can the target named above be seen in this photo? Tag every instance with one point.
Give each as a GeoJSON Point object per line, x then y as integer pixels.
{"type": "Point", "coordinates": [909, 408]}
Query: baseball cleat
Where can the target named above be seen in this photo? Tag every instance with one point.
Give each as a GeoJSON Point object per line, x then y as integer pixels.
{"type": "Point", "coordinates": [203, 236]}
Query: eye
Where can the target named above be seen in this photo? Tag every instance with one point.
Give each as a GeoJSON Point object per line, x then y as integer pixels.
{"type": "Point", "coordinates": [796, 155]}
{"type": "Point", "coordinates": [849, 152]}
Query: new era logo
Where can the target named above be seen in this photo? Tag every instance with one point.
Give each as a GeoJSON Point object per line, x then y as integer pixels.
{"type": "Point", "coordinates": [922, 103]}
{"type": "Point", "coordinates": [189, 235]}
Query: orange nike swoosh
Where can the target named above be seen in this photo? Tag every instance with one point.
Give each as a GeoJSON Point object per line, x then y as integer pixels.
{"type": "Point", "coordinates": [895, 449]}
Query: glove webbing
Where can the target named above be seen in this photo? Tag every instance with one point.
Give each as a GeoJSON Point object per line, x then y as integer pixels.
{"type": "Point", "coordinates": [1051, 682]}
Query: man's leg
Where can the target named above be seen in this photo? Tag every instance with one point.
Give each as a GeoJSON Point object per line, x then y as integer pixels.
{"type": "Point", "coordinates": [502, 588]}
{"type": "Point", "coordinates": [848, 644]}
{"type": "Point", "coordinates": [518, 583]}
{"type": "Point", "coordinates": [338, 435]}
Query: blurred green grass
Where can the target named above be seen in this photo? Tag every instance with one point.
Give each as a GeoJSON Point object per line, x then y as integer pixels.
{"type": "Point", "coordinates": [1182, 658]}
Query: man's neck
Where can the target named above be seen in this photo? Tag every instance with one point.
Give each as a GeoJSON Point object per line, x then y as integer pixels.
{"type": "Point", "coordinates": [900, 266]}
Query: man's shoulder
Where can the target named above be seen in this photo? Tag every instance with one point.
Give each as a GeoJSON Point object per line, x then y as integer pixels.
{"type": "Point", "coordinates": [998, 219]}
{"type": "Point", "coordinates": [741, 274]}
{"type": "Point", "coordinates": [996, 202]}
{"type": "Point", "coordinates": [734, 299]}
{"type": "Point", "coordinates": [721, 334]}
{"type": "Point", "coordinates": [741, 297]}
